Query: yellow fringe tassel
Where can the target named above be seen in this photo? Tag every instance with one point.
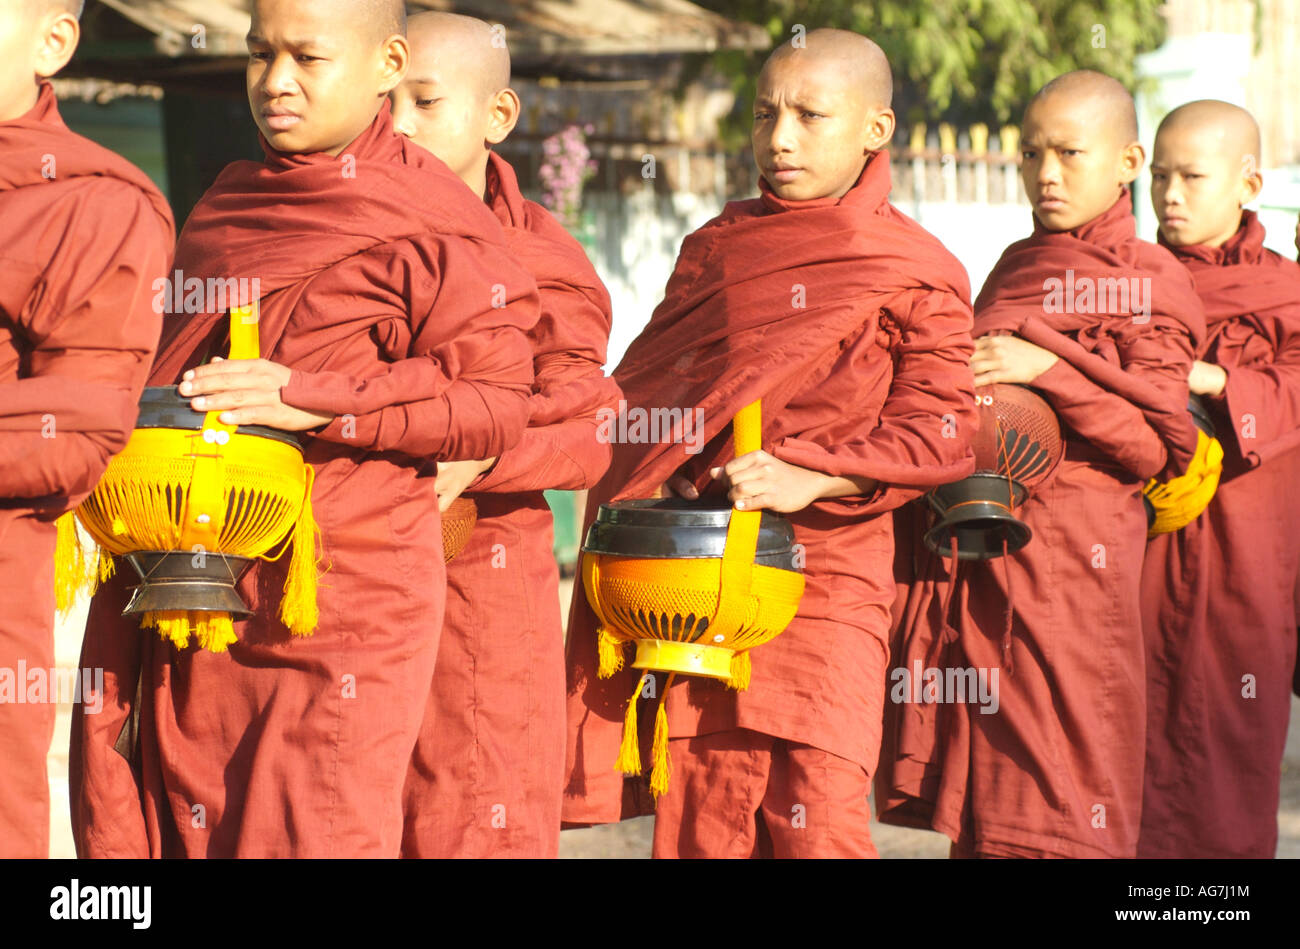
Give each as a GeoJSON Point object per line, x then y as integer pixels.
{"type": "Point", "coordinates": [106, 566]}
{"type": "Point", "coordinates": [659, 750]}
{"type": "Point", "coordinates": [629, 751]}
{"type": "Point", "coordinates": [740, 669]}
{"type": "Point", "coordinates": [215, 631]}
{"type": "Point", "coordinates": [172, 625]}
{"type": "Point", "coordinates": [298, 609]}
{"type": "Point", "coordinates": [609, 654]}
{"type": "Point", "coordinates": [74, 572]}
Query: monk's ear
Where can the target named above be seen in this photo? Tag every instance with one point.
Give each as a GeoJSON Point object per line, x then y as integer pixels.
{"type": "Point", "coordinates": [1252, 181]}
{"type": "Point", "coordinates": [879, 130]}
{"type": "Point", "coordinates": [505, 110]}
{"type": "Point", "coordinates": [58, 41]}
{"type": "Point", "coordinates": [1131, 160]}
{"type": "Point", "coordinates": [395, 59]}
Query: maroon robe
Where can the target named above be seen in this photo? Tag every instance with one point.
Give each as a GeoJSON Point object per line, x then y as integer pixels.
{"type": "Point", "coordinates": [1218, 596]}
{"type": "Point", "coordinates": [407, 320]}
{"type": "Point", "coordinates": [1053, 765]}
{"type": "Point", "coordinates": [851, 323]}
{"type": "Point", "coordinates": [486, 776]}
{"type": "Point", "coordinates": [85, 235]}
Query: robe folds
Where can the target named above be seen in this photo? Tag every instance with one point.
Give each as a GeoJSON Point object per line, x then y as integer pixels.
{"type": "Point", "coordinates": [1053, 765]}
{"type": "Point", "coordinates": [1218, 596]}
{"type": "Point", "coordinates": [851, 323]}
{"type": "Point", "coordinates": [83, 236]}
{"type": "Point", "coordinates": [486, 776]}
{"type": "Point", "coordinates": [407, 320]}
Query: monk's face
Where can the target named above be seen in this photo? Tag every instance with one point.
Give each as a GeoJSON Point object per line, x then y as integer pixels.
{"type": "Point", "coordinates": [1074, 159]}
{"type": "Point", "coordinates": [813, 131]}
{"type": "Point", "coordinates": [37, 38]}
{"type": "Point", "coordinates": [316, 77]}
{"type": "Point", "coordinates": [1199, 184]}
{"type": "Point", "coordinates": [442, 106]}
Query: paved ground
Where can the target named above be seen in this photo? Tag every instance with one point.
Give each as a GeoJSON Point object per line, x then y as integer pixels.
{"type": "Point", "coordinates": [631, 839]}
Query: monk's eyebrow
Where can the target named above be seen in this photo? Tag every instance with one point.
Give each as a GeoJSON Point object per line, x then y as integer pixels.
{"type": "Point", "coordinates": [800, 105]}
{"type": "Point", "coordinates": [311, 42]}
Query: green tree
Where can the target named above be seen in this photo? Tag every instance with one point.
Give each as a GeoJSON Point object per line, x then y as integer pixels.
{"type": "Point", "coordinates": [968, 60]}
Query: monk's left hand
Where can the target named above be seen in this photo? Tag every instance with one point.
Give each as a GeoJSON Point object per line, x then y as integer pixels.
{"type": "Point", "coordinates": [1206, 378]}
{"type": "Point", "coordinates": [1009, 359]}
{"type": "Point", "coordinates": [247, 392]}
{"type": "Point", "coordinates": [758, 480]}
{"type": "Point", "coordinates": [455, 476]}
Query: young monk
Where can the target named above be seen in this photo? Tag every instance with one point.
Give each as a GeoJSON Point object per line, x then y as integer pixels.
{"type": "Point", "coordinates": [1055, 769]}
{"type": "Point", "coordinates": [1218, 596]}
{"type": "Point", "coordinates": [852, 325]}
{"type": "Point", "coordinates": [397, 325]}
{"type": "Point", "coordinates": [485, 780]}
{"type": "Point", "coordinates": [85, 234]}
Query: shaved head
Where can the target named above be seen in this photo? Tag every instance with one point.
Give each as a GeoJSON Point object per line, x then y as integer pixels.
{"type": "Point", "coordinates": [860, 62]}
{"type": "Point", "coordinates": [58, 6]}
{"type": "Point", "coordinates": [1234, 126]}
{"type": "Point", "coordinates": [1204, 171]}
{"type": "Point", "coordinates": [37, 38]}
{"type": "Point", "coordinates": [383, 17]}
{"type": "Point", "coordinates": [821, 110]}
{"type": "Point", "coordinates": [456, 100]}
{"type": "Point", "coordinates": [1103, 96]}
{"type": "Point", "coordinates": [319, 70]}
{"type": "Point", "coordinates": [1079, 149]}
{"type": "Point", "coordinates": [462, 44]}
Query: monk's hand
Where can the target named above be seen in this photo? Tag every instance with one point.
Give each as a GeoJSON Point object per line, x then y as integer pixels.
{"type": "Point", "coordinates": [678, 486]}
{"type": "Point", "coordinates": [247, 392]}
{"type": "Point", "coordinates": [758, 480]}
{"type": "Point", "coordinates": [1206, 378]}
{"type": "Point", "coordinates": [1009, 359]}
{"type": "Point", "coordinates": [455, 476]}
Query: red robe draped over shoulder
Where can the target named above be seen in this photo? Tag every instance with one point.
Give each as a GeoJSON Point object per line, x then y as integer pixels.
{"type": "Point", "coordinates": [851, 323]}
{"type": "Point", "coordinates": [83, 236]}
{"type": "Point", "coordinates": [1218, 596]}
{"type": "Point", "coordinates": [486, 777]}
{"type": "Point", "coordinates": [1051, 764]}
{"type": "Point", "coordinates": [408, 320]}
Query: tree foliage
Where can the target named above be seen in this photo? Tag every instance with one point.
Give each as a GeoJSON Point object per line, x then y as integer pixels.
{"type": "Point", "coordinates": [969, 60]}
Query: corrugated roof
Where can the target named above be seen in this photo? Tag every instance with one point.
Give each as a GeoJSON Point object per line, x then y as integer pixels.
{"type": "Point", "coordinates": [534, 28]}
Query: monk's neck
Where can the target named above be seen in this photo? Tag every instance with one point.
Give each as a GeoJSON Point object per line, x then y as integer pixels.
{"type": "Point", "coordinates": [476, 178]}
{"type": "Point", "coordinates": [22, 105]}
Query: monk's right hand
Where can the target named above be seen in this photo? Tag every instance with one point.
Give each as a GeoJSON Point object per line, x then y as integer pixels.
{"type": "Point", "coordinates": [678, 486]}
{"type": "Point", "coordinates": [247, 392]}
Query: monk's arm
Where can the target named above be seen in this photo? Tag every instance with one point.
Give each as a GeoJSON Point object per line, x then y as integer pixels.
{"type": "Point", "coordinates": [562, 448]}
{"type": "Point", "coordinates": [1157, 352]}
{"type": "Point", "coordinates": [1109, 422]}
{"type": "Point", "coordinates": [922, 436]}
{"type": "Point", "coordinates": [1263, 402]}
{"type": "Point", "coordinates": [462, 392]}
{"type": "Point", "coordinates": [569, 455]}
{"type": "Point", "coordinates": [92, 338]}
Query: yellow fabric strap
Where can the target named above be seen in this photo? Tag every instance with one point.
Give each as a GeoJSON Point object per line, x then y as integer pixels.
{"type": "Point", "coordinates": [742, 536]}
{"type": "Point", "coordinates": [1179, 501]}
{"type": "Point", "coordinates": [244, 344]}
{"type": "Point", "coordinates": [205, 508]}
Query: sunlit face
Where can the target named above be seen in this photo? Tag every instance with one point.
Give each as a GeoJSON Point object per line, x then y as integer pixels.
{"type": "Point", "coordinates": [442, 107]}
{"type": "Point", "coordinates": [812, 131]}
{"type": "Point", "coordinates": [1073, 163]}
{"type": "Point", "coordinates": [36, 41]}
{"type": "Point", "coordinates": [315, 80]}
{"type": "Point", "coordinates": [1199, 183]}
